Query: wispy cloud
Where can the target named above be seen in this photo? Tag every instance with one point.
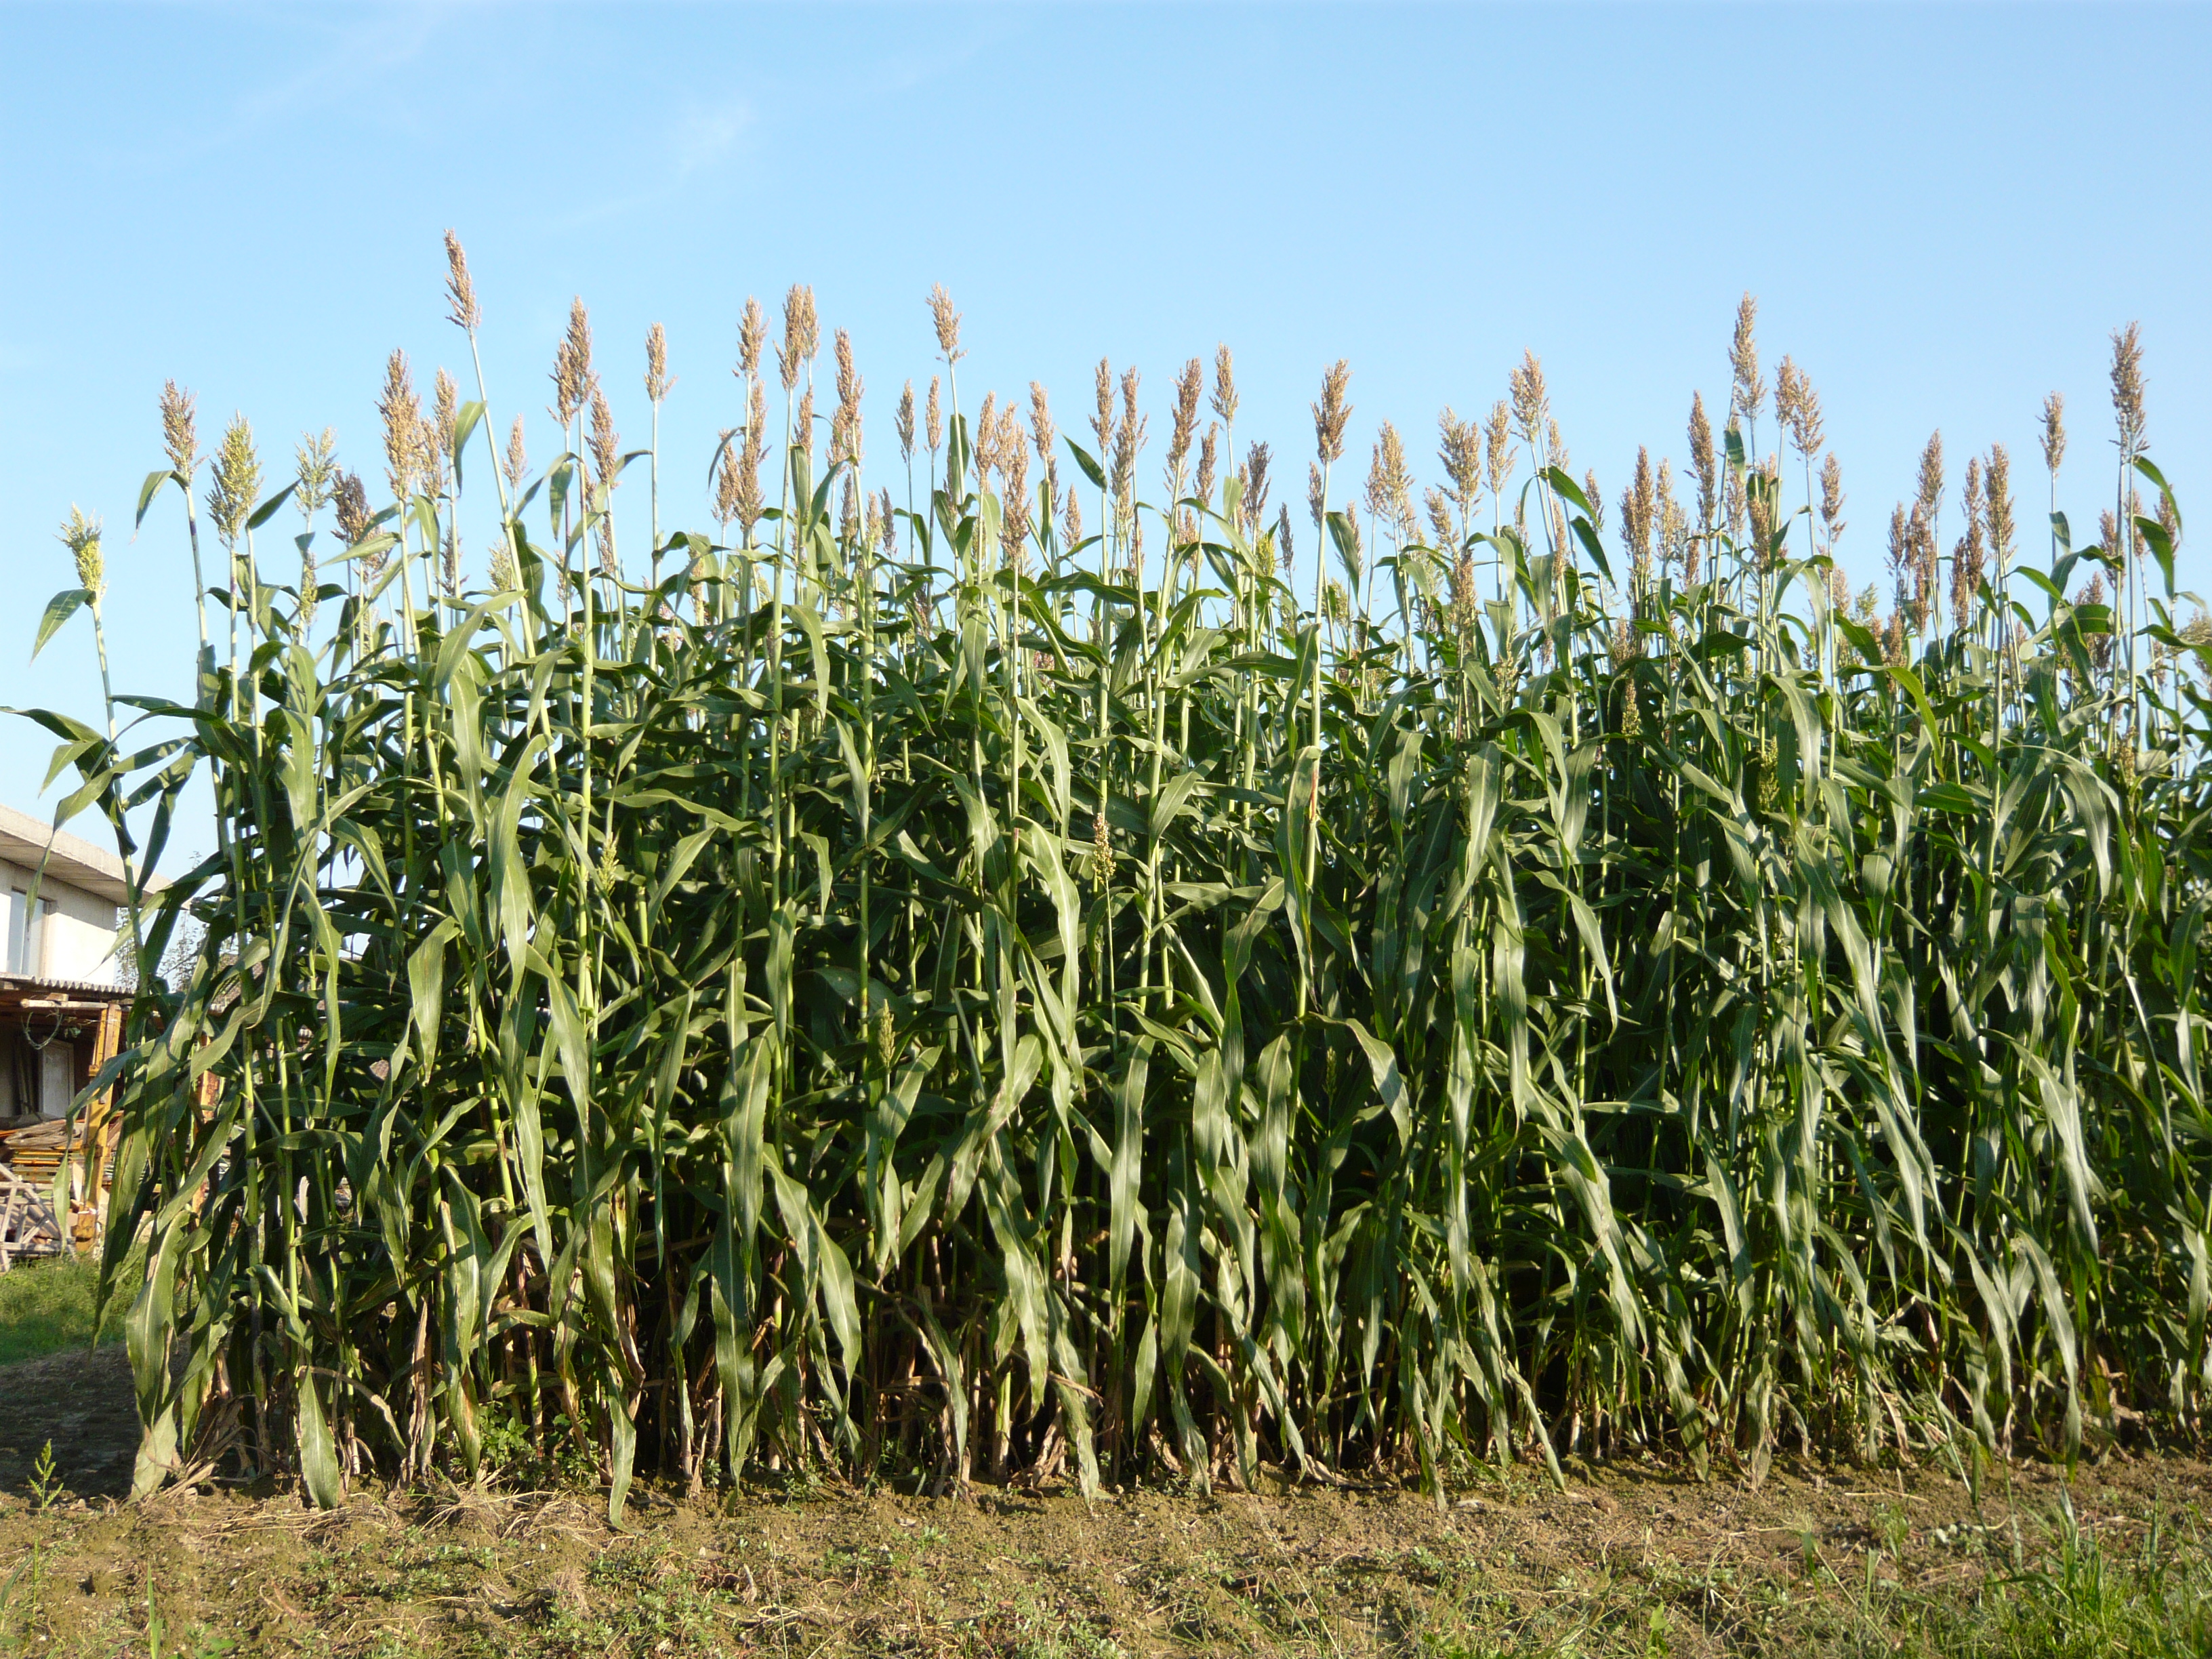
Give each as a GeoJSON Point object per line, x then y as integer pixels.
{"type": "Point", "coordinates": [315, 61]}
{"type": "Point", "coordinates": [694, 146]}
{"type": "Point", "coordinates": [705, 138]}
{"type": "Point", "coordinates": [385, 37]}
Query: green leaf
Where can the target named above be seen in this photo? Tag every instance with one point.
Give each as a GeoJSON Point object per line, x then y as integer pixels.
{"type": "Point", "coordinates": [1905, 675]}
{"type": "Point", "coordinates": [319, 1454]}
{"type": "Point", "coordinates": [2144, 465]}
{"type": "Point", "coordinates": [1588, 538]}
{"type": "Point", "coordinates": [2161, 548]}
{"type": "Point", "coordinates": [466, 421]}
{"type": "Point", "coordinates": [368, 547]}
{"type": "Point", "coordinates": [150, 489]}
{"type": "Point", "coordinates": [1861, 636]}
{"type": "Point", "coordinates": [267, 510]}
{"type": "Point", "coordinates": [59, 609]}
{"type": "Point", "coordinates": [1568, 488]}
{"type": "Point", "coordinates": [1085, 459]}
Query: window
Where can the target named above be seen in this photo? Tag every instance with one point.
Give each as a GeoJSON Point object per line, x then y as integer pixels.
{"type": "Point", "coordinates": [57, 1079]}
{"type": "Point", "coordinates": [27, 933]}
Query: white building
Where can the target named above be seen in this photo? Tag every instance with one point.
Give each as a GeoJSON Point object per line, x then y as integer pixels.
{"type": "Point", "coordinates": [61, 987]}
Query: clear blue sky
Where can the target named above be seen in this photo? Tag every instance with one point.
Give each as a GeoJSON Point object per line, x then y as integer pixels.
{"type": "Point", "coordinates": [1943, 212]}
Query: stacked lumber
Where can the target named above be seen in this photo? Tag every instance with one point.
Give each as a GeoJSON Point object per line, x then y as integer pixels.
{"type": "Point", "coordinates": [33, 1157]}
{"type": "Point", "coordinates": [36, 1153]}
{"type": "Point", "coordinates": [28, 1227]}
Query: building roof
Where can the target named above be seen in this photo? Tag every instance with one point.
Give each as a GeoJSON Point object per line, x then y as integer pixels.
{"type": "Point", "coordinates": [20, 991]}
{"type": "Point", "coordinates": [25, 840]}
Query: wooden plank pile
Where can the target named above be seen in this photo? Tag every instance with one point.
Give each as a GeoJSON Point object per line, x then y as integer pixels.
{"type": "Point", "coordinates": [28, 1230]}
{"type": "Point", "coordinates": [30, 1160]}
{"type": "Point", "coordinates": [36, 1152]}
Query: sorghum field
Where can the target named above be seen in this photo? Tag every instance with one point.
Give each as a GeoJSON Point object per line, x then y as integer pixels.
{"type": "Point", "coordinates": [977, 971]}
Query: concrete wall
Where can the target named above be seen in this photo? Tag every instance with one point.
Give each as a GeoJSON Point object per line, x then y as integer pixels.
{"type": "Point", "coordinates": [75, 936]}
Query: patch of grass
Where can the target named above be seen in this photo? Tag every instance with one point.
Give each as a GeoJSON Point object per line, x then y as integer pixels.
{"type": "Point", "coordinates": [2084, 1600]}
{"type": "Point", "coordinates": [47, 1306]}
{"type": "Point", "coordinates": [2121, 1563]}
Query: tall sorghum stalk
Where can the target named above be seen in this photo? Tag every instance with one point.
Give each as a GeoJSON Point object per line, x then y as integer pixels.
{"type": "Point", "coordinates": [750, 1051]}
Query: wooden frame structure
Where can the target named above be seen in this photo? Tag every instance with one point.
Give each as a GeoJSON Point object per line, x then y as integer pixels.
{"type": "Point", "coordinates": [34, 1154]}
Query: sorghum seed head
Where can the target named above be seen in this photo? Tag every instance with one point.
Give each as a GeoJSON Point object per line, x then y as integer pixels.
{"type": "Point", "coordinates": [1331, 412]}
{"type": "Point", "coordinates": [1101, 423]}
{"type": "Point", "coordinates": [2128, 384]}
{"type": "Point", "coordinates": [315, 468]}
{"type": "Point", "coordinates": [605, 441]}
{"type": "Point", "coordinates": [402, 412]}
{"type": "Point", "coordinates": [1803, 419]}
{"type": "Point", "coordinates": [726, 466]}
{"type": "Point", "coordinates": [179, 436]}
{"type": "Point", "coordinates": [947, 323]}
{"type": "Point", "coordinates": [1459, 446]}
{"type": "Point", "coordinates": [1702, 461]}
{"type": "Point", "coordinates": [1831, 497]}
{"type": "Point", "coordinates": [1440, 518]}
{"type": "Point", "coordinates": [1748, 391]}
{"type": "Point", "coordinates": [572, 366]}
{"type": "Point", "coordinates": [460, 291]}
{"type": "Point", "coordinates": [845, 430]}
{"type": "Point", "coordinates": [1785, 391]}
{"type": "Point", "coordinates": [1254, 477]}
{"type": "Point", "coordinates": [1498, 460]}
{"type": "Point", "coordinates": [1224, 386]}
{"type": "Point", "coordinates": [350, 503]}
{"type": "Point", "coordinates": [1931, 473]}
{"type": "Point", "coordinates": [1999, 475]}
{"type": "Point", "coordinates": [751, 503]}
{"type": "Point", "coordinates": [236, 484]}
{"type": "Point", "coordinates": [1040, 426]}
{"type": "Point", "coordinates": [445, 406]}
{"type": "Point", "coordinates": [886, 1036]}
{"type": "Point", "coordinates": [1101, 851]}
{"type": "Point", "coordinates": [1128, 439]}
{"type": "Point", "coordinates": [1189, 386]}
{"type": "Point", "coordinates": [81, 535]}
{"type": "Point", "coordinates": [1532, 404]}
{"type": "Point", "coordinates": [656, 364]}
{"type": "Point", "coordinates": [801, 337]}
{"type": "Point", "coordinates": [986, 443]}
{"type": "Point", "coordinates": [303, 615]}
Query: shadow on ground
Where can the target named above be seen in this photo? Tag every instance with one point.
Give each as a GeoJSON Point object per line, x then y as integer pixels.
{"type": "Point", "coordinates": [80, 1402]}
{"type": "Point", "coordinates": [1633, 1560]}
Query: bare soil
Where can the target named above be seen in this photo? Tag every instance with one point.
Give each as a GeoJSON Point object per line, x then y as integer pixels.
{"type": "Point", "coordinates": [1640, 1559]}
{"type": "Point", "coordinates": [80, 1402]}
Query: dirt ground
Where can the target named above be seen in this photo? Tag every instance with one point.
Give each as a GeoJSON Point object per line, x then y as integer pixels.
{"type": "Point", "coordinates": [80, 1403]}
{"type": "Point", "coordinates": [1641, 1559]}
